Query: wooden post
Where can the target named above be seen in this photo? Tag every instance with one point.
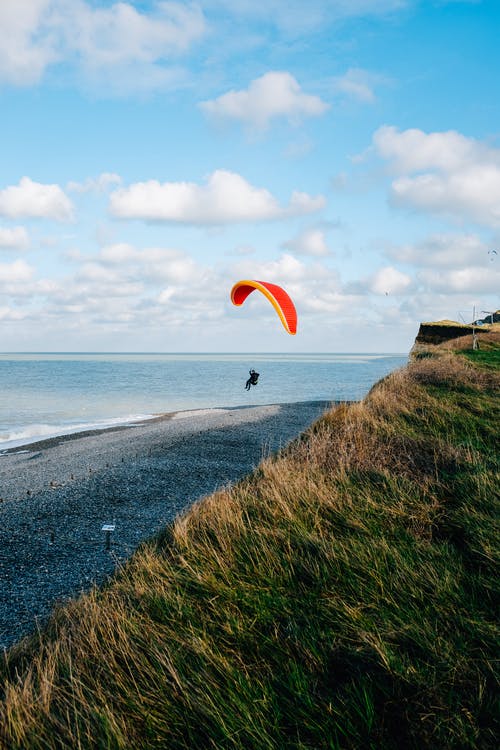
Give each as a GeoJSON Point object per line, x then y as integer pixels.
{"type": "Point", "coordinates": [474, 336]}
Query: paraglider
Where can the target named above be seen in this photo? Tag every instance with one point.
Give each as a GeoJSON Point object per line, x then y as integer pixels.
{"type": "Point", "coordinates": [276, 296]}
{"type": "Point", "coordinates": [491, 253]}
{"type": "Point", "coordinates": [252, 380]}
{"type": "Point", "coordinates": [279, 299]}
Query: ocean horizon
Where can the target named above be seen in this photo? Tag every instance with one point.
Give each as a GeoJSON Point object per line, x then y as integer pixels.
{"type": "Point", "coordinates": [46, 394]}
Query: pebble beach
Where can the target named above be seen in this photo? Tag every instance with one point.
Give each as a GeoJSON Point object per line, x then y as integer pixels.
{"type": "Point", "coordinates": [56, 495]}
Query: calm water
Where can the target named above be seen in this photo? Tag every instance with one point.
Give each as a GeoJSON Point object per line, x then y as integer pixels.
{"type": "Point", "coordinates": [50, 394]}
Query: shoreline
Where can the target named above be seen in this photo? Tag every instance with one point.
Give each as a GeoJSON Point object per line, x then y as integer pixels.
{"type": "Point", "coordinates": [38, 443]}
{"type": "Point", "coordinates": [73, 433]}
{"type": "Point", "coordinates": [56, 495]}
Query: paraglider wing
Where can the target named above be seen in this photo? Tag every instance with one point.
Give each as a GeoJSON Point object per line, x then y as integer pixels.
{"type": "Point", "coordinates": [276, 296]}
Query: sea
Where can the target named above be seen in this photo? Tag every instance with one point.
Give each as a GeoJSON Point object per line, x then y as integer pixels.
{"type": "Point", "coordinates": [51, 394]}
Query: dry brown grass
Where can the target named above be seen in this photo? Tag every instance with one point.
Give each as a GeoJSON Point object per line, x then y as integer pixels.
{"type": "Point", "coordinates": [339, 597]}
{"type": "Point", "coordinates": [465, 342]}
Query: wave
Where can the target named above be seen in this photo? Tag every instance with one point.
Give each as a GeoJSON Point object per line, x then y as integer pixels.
{"type": "Point", "coordinates": [32, 433]}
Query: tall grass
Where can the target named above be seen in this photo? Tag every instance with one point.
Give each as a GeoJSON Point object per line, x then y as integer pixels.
{"type": "Point", "coordinates": [342, 596]}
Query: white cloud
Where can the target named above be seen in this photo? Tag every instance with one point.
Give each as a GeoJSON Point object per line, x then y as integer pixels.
{"type": "Point", "coordinates": [95, 184]}
{"type": "Point", "coordinates": [295, 17]}
{"type": "Point", "coordinates": [443, 251]}
{"type": "Point", "coordinates": [314, 288]}
{"type": "Point", "coordinates": [14, 273]}
{"type": "Point", "coordinates": [96, 272]}
{"type": "Point", "coordinates": [450, 264]}
{"type": "Point", "coordinates": [121, 34]}
{"type": "Point", "coordinates": [358, 84]}
{"type": "Point", "coordinates": [463, 280]}
{"type": "Point", "coordinates": [413, 150]}
{"type": "Point", "coordinates": [311, 241]}
{"type": "Point", "coordinates": [15, 238]}
{"type": "Point", "coordinates": [124, 284]}
{"type": "Point", "coordinates": [122, 50]}
{"type": "Point", "coordinates": [35, 34]}
{"type": "Point", "coordinates": [473, 193]}
{"type": "Point", "coordinates": [275, 94]}
{"type": "Point", "coordinates": [455, 176]}
{"type": "Point", "coordinates": [35, 200]}
{"type": "Point", "coordinates": [11, 314]}
{"type": "Point", "coordinates": [285, 270]}
{"type": "Point", "coordinates": [140, 287]}
{"type": "Point", "coordinates": [26, 43]}
{"type": "Point", "coordinates": [96, 289]}
{"type": "Point", "coordinates": [156, 265]}
{"type": "Point", "coordinates": [165, 292]}
{"type": "Point", "coordinates": [120, 252]}
{"type": "Point", "coordinates": [389, 280]}
{"type": "Point", "coordinates": [226, 198]}
{"type": "Point", "coordinates": [166, 295]}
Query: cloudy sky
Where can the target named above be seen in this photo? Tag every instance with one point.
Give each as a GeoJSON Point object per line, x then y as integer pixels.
{"type": "Point", "coordinates": [153, 153]}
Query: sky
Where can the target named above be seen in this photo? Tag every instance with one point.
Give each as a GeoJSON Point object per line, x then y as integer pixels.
{"type": "Point", "coordinates": [153, 153]}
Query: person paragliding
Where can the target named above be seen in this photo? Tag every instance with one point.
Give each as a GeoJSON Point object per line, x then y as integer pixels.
{"type": "Point", "coordinates": [252, 380]}
{"type": "Point", "coordinates": [278, 298]}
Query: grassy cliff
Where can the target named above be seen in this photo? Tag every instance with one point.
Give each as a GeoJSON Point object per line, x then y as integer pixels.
{"type": "Point", "coordinates": [449, 334]}
{"type": "Point", "coordinates": [343, 596]}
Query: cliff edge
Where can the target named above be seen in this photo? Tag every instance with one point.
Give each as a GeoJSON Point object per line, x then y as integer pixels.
{"type": "Point", "coordinates": [449, 334]}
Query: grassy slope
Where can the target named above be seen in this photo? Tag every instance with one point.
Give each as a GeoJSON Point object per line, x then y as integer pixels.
{"type": "Point", "coordinates": [341, 597]}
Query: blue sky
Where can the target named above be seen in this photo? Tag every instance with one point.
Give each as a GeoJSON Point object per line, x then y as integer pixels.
{"type": "Point", "coordinates": [153, 153]}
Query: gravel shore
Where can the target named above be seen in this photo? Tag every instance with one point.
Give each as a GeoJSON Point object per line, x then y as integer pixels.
{"type": "Point", "coordinates": [56, 495]}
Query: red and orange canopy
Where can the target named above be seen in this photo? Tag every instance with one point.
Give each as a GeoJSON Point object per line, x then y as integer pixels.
{"type": "Point", "coordinates": [277, 296]}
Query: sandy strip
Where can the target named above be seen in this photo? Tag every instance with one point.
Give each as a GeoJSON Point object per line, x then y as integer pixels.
{"type": "Point", "coordinates": [56, 494]}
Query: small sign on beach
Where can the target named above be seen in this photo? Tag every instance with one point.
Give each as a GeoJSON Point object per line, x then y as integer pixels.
{"type": "Point", "coordinates": [108, 528]}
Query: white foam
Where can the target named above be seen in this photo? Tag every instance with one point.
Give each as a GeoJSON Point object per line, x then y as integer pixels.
{"type": "Point", "coordinates": [32, 433]}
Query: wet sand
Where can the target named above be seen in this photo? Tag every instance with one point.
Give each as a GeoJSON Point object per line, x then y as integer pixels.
{"type": "Point", "coordinates": [56, 495]}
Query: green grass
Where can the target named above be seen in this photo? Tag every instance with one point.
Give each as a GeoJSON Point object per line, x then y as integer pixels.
{"type": "Point", "coordinates": [343, 596]}
{"type": "Point", "coordinates": [487, 356]}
